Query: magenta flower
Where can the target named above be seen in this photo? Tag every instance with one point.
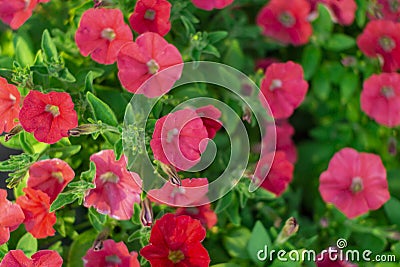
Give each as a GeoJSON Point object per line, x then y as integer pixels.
{"type": "Point", "coordinates": [117, 190]}
{"type": "Point", "coordinates": [102, 32]}
{"type": "Point", "coordinates": [354, 182]}
{"type": "Point", "coordinates": [203, 213]}
{"type": "Point", "coordinates": [11, 217]}
{"type": "Point", "coordinates": [42, 258]}
{"type": "Point", "coordinates": [150, 56]}
{"type": "Point", "coordinates": [16, 12]}
{"type": "Point", "coordinates": [342, 11]}
{"type": "Point", "coordinates": [385, 10]}
{"type": "Point", "coordinates": [210, 115]}
{"type": "Point", "coordinates": [9, 105]}
{"type": "Point", "coordinates": [211, 4]}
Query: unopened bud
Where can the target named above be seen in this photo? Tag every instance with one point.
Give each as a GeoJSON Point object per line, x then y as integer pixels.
{"type": "Point", "coordinates": [14, 131]}
{"type": "Point", "coordinates": [247, 114]}
{"type": "Point", "coordinates": [84, 129]}
{"type": "Point", "coordinates": [392, 146]}
{"type": "Point", "coordinates": [98, 243]}
{"type": "Point", "coordinates": [289, 229]}
{"type": "Point", "coordinates": [146, 213]}
{"type": "Point", "coordinates": [172, 174]}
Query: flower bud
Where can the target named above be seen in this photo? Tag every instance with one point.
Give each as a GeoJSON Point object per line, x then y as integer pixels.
{"type": "Point", "coordinates": [172, 174]}
{"type": "Point", "coordinates": [14, 131]}
{"type": "Point", "coordinates": [289, 229]}
{"type": "Point", "coordinates": [146, 213]}
{"type": "Point", "coordinates": [84, 129]}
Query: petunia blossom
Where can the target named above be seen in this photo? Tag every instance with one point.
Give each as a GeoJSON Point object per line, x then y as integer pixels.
{"type": "Point", "coordinates": [381, 38]}
{"type": "Point", "coordinates": [385, 10]}
{"type": "Point", "coordinates": [111, 254]}
{"type": "Point", "coordinates": [211, 4]}
{"type": "Point", "coordinates": [117, 189]}
{"type": "Point", "coordinates": [17, 258]}
{"type": "Point", "coordinates": [11, 217]}
{"type": "Point", "coordinates": [342, 11]}
{"type": "Point", "coordinates": [9, 105]}
{"type": "Point", "coordinates": [284, 88]}
{"type": "Point", "coordinates": [176, 241]}
{"type": "Point", "coordinates": [380, 98]}
{"type": "Point", "coordinates": [330, 257]}
{"type": "Point", "coordinates": [286, 21]}
{"type": "Point", "coordinates": [150, 56]}
{"type": "Point", "coordinates": [101, 33]}
{"type": "Point", "coordinates": [203, 213]}
{"type": "Point", "coordinates": [48, 116]}
{"type": "Point", "coordinates": [39, 221]}
{"type": "Point", "coordinates": [354, 182]}
{"type": "Point", "coordinates": [191, 192]}
{"type": "Point", "coordinates": [16, 12]}
{"type": "Point", "coordinates": [151, 16]}
{"type": "Point", "coordinates": [50, 176]}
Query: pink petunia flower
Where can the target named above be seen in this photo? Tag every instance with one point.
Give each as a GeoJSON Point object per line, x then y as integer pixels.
{"type": "Point", "coordinates": [177, 139]}
{"type": "Point", "coordinates": [39, 221]}
{"type": "Point", "coordinates": [48, 258]}
{"type": "Point", "coordinates": [284, 88]}
{"type": "Point", "coordinates": [117, 190]}
{"type": "Point", "coordinates": [191, 192]}
{"type": "Point", "coordinates": [48, 116]}
{"type": "Point", "coordinates": [149, 57]}
{"type": "Point", "coordinates": [286, 21]}
{"type": "Point", "coordinates": [11, 217]}
{"type": "Point", "coordinates": [151, 16]}
{"type": "Point", "coordinates": [111, 254]}
{"type": "Point", "coordinates": [331, 258]}
{"type": "Point", "coordinates": [210, 115]}
{"type": "Point", "coordinates": [211, 4]}
{"type": "Point", "coordinates": [176, 241]}
{"type": "Point", "coordinates": [354, 182]}
{"type": "Point", "coordinates": [342, 11]}
{"type": "Point", "coordinates": [9, 105]}
{"type": "Point", "coordinates": [50, 176]}
{"type": "Point", "coordinates": [380, 98]}
{"type": "Point", "coordinates": [203, 213]}
{"type": "Point", "coordinates": [381, 38]}
{"type": "Point", "coordinates": [385, 10]}
{"type": "Point", "coordinates": [16, 12]}
{"type": "Point", "coordinates": [102, 32]}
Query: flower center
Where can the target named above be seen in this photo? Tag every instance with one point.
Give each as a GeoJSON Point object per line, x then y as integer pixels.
{"type": "Point", "coordinates": [58, 176]}
{"type": "Point", "coordinates": [108, 34]}
{"type": "Point", "coordinates": [387, 92]}
{"type": "Point", "coordinates": [150, 14]}
{"type": "Point", "coordinates": [356, 185]}
{"type": "Point", "coordinates": [171, 134]}
{"type": "Point", "coordinates": [54, 110]}
{"type": "Point", "coordinates": [113, 259]}
{"type": "Point", "coordinates": [27, 3]}
{"type": "Point", "coordinates": [387, 43]}
{"type": "Point", "coordinates": [153, 66]}
{"type": "Point", "coordinates": [12, 98]}
{"type": "Point", "coordinates": [276, 83]}
{"type": "Point", "coordinates": [178, 190]}
{"type": "Point", "coordinates": [109, 177]}
{"type": "Point", "coordinates": [176, 256]}
{"type": "Point", "coordinates": [287, 19]}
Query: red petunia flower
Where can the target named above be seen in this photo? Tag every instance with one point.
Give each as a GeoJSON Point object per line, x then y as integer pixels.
{"type": "Point", "coordinates": [111, 254]}
{"type": "Point", "coordinates": [151, 16]}
{"type": "Point", "coordinates": [16, 12]}
{"type": "Point", "coordinates": [284, 88]}
{"type": "Point", "coordinates": [211, 4]}
{"type": "Point", "coordinates": [36, 206]}
{"type": "Point", "coordinates": [342, 11]}
{"type": "Point", "coordinates": [102, 32]}
{"type": "Point", "coordinates": [191, 192]}
{"type": "Point", "coordinates": [177, 139]}
{"type": "Point", "coordinates": [286, 21]}
{"type": "Point", "coordinates": [354, 182]}
{"type": "Point", "coordinates": [380, 98]}
{"type": "Point", "coordinates": [385, 9]}
{"type": "Point", "coordinates": [176, 241]}
{"type": "Point", "coordinates": [117, 190]}
{"type": "Point", "coordinates": [330, 258]}
{"type": "Point", "coordinates": [48, 116]}
{"type": "Point", "coordinates": [149, 57]}
{"type": "Point", "coordinates": [11, 217]}
{"type": "Point", "coordinates": [277, 176]}
{"type": "Point", "coordinates": [203, 213]}
{"type": "Point", "coordinates": [382, 38]}
{"type": "Point", "coordinates": [48, 258]}
{"type": "Point", "coordinates": [50, 176]}
{"type": "Point", "coordinates": [210, 115]}
{"type": "Point", "coordinates": [9, 105]}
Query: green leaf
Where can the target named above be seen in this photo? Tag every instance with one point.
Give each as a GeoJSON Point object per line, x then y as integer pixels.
{"type": "Point", "coordinates": [361, 12]}
{"type": "Point", "coordinates": [3, 251]}
{"type": "Point", "coordinates": [323, 25]}
{"type": "Point", "coordinates": [211, 50]}
{"type": "Point", "coordinates": [235, 242]}
{"type": "Point", "coordinates": [118, 149]}
{"type": "Point", "coordinates": [234, 55]}
{"type": "Point", "coordinates": [101, 111]}
{"type": "Point", "coordinates": [64, 152]}
{"type": "Point", "coordinates": [62, 200]}
{"type": "Point", "coordinates": [310, 60]}
{"type": "Point", "coordinates": [97, 219]}
{"type": "Point", "coordinates": [23, 49]}
{"type": "Point", "coordinates": [320, 84]}
{"type": "Point", "coordinates": [339, 42]}
{"type": "Point", "coordinates": [28, 244]}
{"type": "Point", "coordinates": [26, 146]}
{"type": "Point", "coordinates": [89, 82]}
{"type": "Point", "coordinates": [79, 247]}
{"type": "Point", "coordinates": [348, 84]}
{"type": "Point", "coordinates": [233, 211]}
{"type": "Point", "coordinates": [89, 174]}
{"type": "Point", "coordinates": [49, 48]}
{"type": "Point", "coordinates": [224, 202]}
{"type": "Point", "coordinates": [66, 76]}
{"type": "Point", "coordinates": [228, 264]}
{"type": "Point", "coordinates": [369, 241]}
{"type": "Point", "coordinates": [215, 37]}
{"type": "Point", "coordinates": [136, 214]}
{"type": "Point", "coordinates": [392, 209]}
{"type": "Point", "coordinates": [258, 240]}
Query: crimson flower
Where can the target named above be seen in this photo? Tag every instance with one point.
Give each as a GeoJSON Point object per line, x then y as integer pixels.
{"type": "Point", "coordinates": [380, 98]}
{"type": "Point", "coordinates": [111, 254]}
{"type": "Point", "coordinates": [286, 21]}
{"type": "Point", "coordinates": [50, 176]}
{"type": "Point", "coordinates": [203, 213]}
{"type": "Point", "coordinates": [343, 11]}
{"type": "Point", "coordinates": [176, 241]}
{"type": "Point", "coordinates": [36, 206]}
{"type": "Point", "coordinates": [354, 182]}
{"type": "Point", "coordinates": [191, 192]}
{"type": "Point", "coordinates": [9, 105]}
{"type": "Point", "coordinates": [117, 190]}
{"type": "Point", "coordinates": [381, 38]}
{"type": "Point", "coordinates": [48, 116]}
{"type": "Point", "coordinates": [151, 16]}
{"type": "Point", "coordinates": [385, 9]}
{"type": "Point", "coordinates": [16, 12]}
{"type": "Point", "coordinates": [149, 57]}
{"type": "Point", "coordinates": [324, 260]}
{"type": "Point", "coordinates": [210, 115]}
{"type": "Point", "coordinates": [284, 88]}
{"type": "Point", "coordinates": [102, 32]}
{"type": "Point", "coordinates": [11, 217]}
{"type": "Point", "coordinates": [211, 4]}
{"type": "Point", "coordinates": [17, 258]}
